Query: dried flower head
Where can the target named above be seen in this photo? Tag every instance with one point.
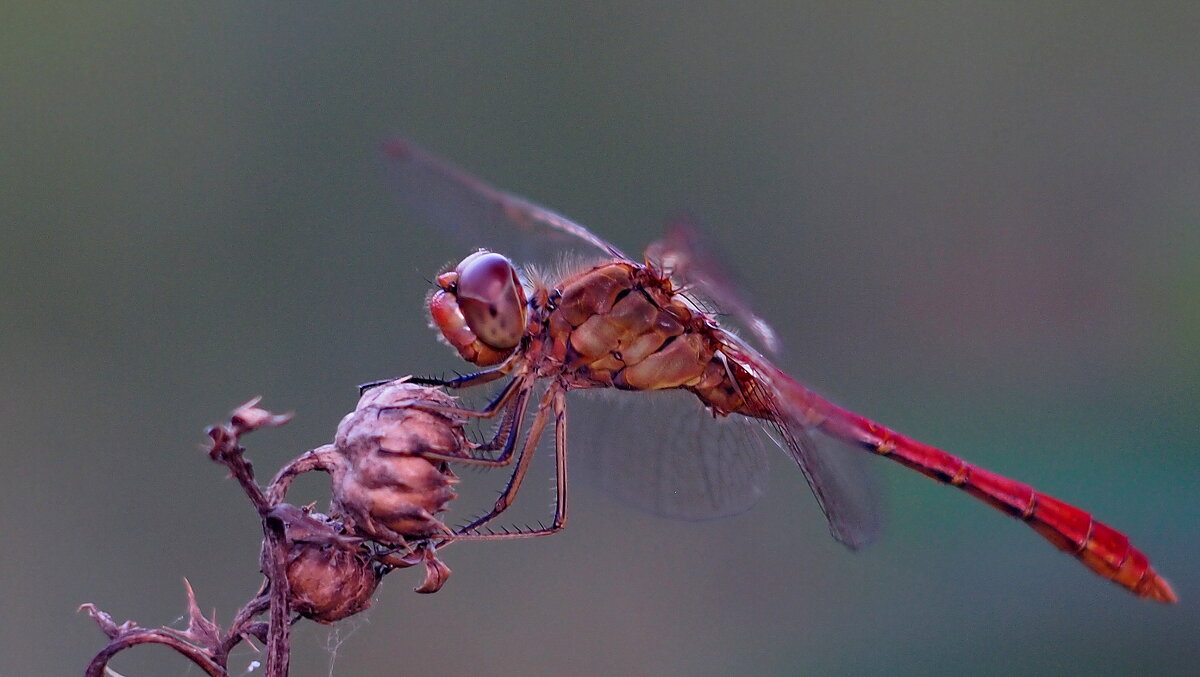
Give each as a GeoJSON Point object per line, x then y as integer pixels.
{"type": "Point", "coordinates": [330, 575]}
{"type": "Point", "coordinates": [384, 490]}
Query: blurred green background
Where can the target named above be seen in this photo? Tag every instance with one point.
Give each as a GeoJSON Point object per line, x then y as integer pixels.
{"type": "Point", "coordinates": [978, 223]}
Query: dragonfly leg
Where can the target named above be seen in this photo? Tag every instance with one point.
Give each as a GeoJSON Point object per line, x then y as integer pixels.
{"type": "Point", "coordinates": [465, 380]}
{"type": "Point", "coordinates": [364, 387]}
{"type": "Point", "coordinates": [554, 399]}
{"type": "Point", "coordinates": [506, 435]}
{"type": "Point", "coordinates": [460, 381]}
{"type": "Point", "coordinates": [506, 432]}
{"type": "Point", "coordinates": [498, 403]}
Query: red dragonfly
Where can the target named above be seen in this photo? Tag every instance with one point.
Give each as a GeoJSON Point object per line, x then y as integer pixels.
{"type": "Point", "coordinates": [619, 323]}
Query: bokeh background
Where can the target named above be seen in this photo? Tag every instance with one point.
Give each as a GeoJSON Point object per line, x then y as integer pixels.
{"type": "Point", "coordinates": [978, 223]}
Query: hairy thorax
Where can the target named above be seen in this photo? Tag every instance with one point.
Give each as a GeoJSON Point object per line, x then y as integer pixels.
{"type": "Point", "coordinates": [620, 325]}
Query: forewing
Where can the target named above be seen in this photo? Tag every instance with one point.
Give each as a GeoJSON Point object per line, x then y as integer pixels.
{"type": "Point", "coordinates": [664, 453]}
{"type": "Point", "coordinates": [695, 265]}
{"type": "Point", "coordinates": [450, 202]}
{"type": "Point", "coordinates": [843, 488]}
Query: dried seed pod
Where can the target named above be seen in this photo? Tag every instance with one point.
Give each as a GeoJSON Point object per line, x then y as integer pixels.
{"type": "Point", "coordinates": [384, 490]}
{"type": "Point", "coordinates": [330, 575]}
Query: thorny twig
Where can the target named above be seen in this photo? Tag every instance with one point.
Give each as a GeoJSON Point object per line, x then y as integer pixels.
{"type": "Point", "coordinates": [202, 642]}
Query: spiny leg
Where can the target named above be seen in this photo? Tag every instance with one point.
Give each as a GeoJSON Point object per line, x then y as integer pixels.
{"type": "Point", "coordinates": [506, 434]}
{"type": "Point", "coordinates": [518, 384]}
{"type": "Point", "coordinates": [524, 457]}
{"type": "Point", "coordinates": [560, 463]}
{"type": "Point", "coordinates": [505, 439]}
{"type": "Point", "coordinates": [467, 380]}
{"type": "Point", "coordinates": [460, 381]}
{"type": "Point", "coordinates": [557, 399]}
{"type": "Point", "coordinates": [518, 475]}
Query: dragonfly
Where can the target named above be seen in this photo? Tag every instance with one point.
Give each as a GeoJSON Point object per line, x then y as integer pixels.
{"type": "Point", "coordinates": [612, 322]}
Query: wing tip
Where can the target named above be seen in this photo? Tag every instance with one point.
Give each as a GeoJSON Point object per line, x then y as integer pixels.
{"type": "Point", "coordinates": [396, 149]}
{"type": "Point", "coordinates": [853, 542]}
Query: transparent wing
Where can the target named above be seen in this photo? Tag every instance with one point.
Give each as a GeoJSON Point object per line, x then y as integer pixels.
{"type": "Point", "coordinates": [662, 452]}
{"type": "Point", "coordinates": [843, 487]}
{"type": "Point", "coordinates": [836, 474]}
{"type": "Point", "coordinates": [448, 201]}
{"type": "Point", "coordinates": [694, 264]}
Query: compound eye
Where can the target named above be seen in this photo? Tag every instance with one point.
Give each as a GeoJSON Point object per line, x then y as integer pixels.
{"type": "Point", "coordinates": [491, 299]}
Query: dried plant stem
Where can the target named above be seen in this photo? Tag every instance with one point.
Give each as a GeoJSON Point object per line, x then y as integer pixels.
{"type": "Point", "coordinates": [202, 642]}
{"type": "Point", "coordinates": [385, 498]}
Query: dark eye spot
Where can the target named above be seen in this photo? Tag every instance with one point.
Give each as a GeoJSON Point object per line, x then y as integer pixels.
{"type": "Point", "coordinates": [492, 310]}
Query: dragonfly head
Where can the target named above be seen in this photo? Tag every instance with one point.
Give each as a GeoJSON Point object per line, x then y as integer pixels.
{"type": "Point", "coordinates": [480, 308]}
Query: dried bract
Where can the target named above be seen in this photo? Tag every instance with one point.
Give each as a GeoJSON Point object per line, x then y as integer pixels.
{"type": "Point", "coordinates": [436, 574]}
{"type": "Point", "coordinates": [436, 571]}
{"type": "Point", "coordinates": [250, 417]}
